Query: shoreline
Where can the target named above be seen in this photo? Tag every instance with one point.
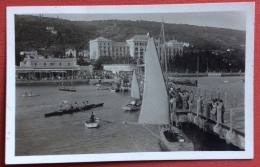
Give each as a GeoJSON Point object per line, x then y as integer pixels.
{"type": "Point", "coordinates": [52, 82]}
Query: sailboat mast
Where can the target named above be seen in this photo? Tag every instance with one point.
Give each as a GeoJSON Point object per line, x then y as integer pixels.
{"type": "Point", "coordinates": [164, 56]}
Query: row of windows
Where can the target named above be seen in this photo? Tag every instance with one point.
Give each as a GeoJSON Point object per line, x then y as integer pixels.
{"type": "Point", "coordinates": [104, 44]}
{"type": "Point", "coordinates": [51, 64]}
{"type": "Point", "coordinates": [114, 48]}
{"type": "Point", "coordinates": [140, 44]}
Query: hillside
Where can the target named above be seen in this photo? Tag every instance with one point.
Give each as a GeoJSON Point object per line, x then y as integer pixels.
{"type": "Point", "coordinates": [31, 33]}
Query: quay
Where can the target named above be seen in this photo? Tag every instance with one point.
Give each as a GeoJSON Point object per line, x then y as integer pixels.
{"type": "Point", "coordinates": [232, 129]}
{"type": "Point", "coordinates": [51, 82]}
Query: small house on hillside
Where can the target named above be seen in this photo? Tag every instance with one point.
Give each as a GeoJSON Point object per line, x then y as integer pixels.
{"type": "Point", "coordinates": [71, 53]}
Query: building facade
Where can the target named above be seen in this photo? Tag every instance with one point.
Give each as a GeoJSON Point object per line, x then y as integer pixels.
{"type": "Point", "coordinates": [48, 63]}
{"type": "Point", "coordinates": [116, 68]}
{"type": "Point", "coordinates": [99, 47]}
{"type": "Point", "coordinates": [134, 47]}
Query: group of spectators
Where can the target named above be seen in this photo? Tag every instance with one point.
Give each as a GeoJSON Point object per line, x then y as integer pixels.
{"type": "Point", "coordinates": [185, 100]}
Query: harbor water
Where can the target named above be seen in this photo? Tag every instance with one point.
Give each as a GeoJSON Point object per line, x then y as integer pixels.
{"type": "Point", "coordinates": [67, 134]}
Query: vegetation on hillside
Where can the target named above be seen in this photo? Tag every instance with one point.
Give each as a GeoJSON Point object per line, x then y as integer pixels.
{"type": "Point", "coordinates": [31, 34]}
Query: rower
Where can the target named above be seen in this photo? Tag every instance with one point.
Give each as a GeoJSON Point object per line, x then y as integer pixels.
{"type": "Point", "coordinates": [71, 107]}
{"type": "Point", "coordinates": [86, 103]}
{"type": "Point", "coordinates": [31, 94]}
{"type": "Point", "coordinates": [60, 108]}
{"type": "Point", "coordinates": [76, 105]}
{"type": "Point", "coordinates": [92, 117]}
{"type": "Point", "coordinates": [25, 94]}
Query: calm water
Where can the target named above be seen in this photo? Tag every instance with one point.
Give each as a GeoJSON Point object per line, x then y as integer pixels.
{"type": "Point", "coordinates": [67, 134]}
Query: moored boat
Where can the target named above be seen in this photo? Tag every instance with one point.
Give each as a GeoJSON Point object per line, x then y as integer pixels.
{"type": "Point", "coordinates": [130, 107]}
{"type": "Point", "coordinates": [135, 93]}
{"type": "Point", "coordinates": [155, 104]}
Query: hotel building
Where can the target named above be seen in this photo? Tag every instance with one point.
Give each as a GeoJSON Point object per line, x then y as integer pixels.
{"type": "Point", "coordinates": [134, 47]}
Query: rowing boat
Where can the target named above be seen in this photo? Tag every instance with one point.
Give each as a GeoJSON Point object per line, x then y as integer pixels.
{"type": "Point", "coordinates": [71, 111]}
{"type": "Point", "coordinates": [94, 124]}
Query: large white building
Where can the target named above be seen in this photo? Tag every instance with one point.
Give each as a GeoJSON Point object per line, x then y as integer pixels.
{"type": "Point", "coordinates": [134, 47]}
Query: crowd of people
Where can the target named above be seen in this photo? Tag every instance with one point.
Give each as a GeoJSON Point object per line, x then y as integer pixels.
{"type": "Point", "coordinates": [185, 100]}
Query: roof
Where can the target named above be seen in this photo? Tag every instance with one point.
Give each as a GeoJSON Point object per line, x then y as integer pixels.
{"type": "Point", "coordinates": [100, 39]}
{"type": "Point", "coordinates": [140, 37]}
{"type": "Point", "coordinates": [174, 41]}
{"type": "Point", "coordinates": [52, 60]}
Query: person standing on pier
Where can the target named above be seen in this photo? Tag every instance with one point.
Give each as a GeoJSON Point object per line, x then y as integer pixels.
{"type": "Point", "coordinates": [221, 104]}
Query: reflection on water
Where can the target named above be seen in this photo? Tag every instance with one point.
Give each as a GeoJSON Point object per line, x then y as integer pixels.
{"type": "Point", "coordinates": [67, 134]}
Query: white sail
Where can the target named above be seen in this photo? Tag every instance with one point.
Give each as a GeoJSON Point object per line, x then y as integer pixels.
{"type": "Point", "coordinates": [155, 108]}
{"type": "Point", "coordinates": [135, 92]}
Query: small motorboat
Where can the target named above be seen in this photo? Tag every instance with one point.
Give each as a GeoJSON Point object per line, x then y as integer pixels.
{"type": "Point", "coordinates": [94, 124]}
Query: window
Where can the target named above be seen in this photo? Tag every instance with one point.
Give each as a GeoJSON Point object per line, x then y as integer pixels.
{"type": "Point", "coordinates": [60, 64]}
{"type": "Point", "coordinates": [52, 64]}
{"type": "Point", "coordinates": [35, 64]}
{"type": "Point", "coordinates": [44, 64]}
{"type": "Point", "coordinates": [69, 64]}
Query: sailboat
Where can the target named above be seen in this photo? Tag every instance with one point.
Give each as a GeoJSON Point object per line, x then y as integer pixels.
{"type": "Point", "coordinates": [135, 93]}
{"type": "Point", "coordinates": [155, 104]}
{"type": "Point", "coordinates": [69, 88]}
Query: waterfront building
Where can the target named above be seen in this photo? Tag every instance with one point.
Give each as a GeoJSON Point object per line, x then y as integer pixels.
{"type": "Point", "coordinates": [120, 49]}
{"type": "Point", "coordinates": [55, 68]}
{"type": "Point", "coordinates": [99, 47]}
{"type": "Point", "coordinates": [138, 45]}
{"type": "Point", "coordinates": [134, 47]}
{"type": "Point", "coordinates": [106, 47]}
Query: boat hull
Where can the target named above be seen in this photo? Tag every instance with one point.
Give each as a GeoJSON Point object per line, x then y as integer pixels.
{"type": "Point", "coordinates": [131, 108]}
{"type": "Point", "coordinates": [71, 111]}
{"type": "Point", "coordinates": [179, 141]}
{"type": "Point", "coordinates": [68, 90]}
{"type": "Point", "coordinates": [95, 124]}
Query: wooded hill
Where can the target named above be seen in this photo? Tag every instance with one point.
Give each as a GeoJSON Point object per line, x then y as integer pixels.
{"type": "Point", "coordinates": [31, 33]}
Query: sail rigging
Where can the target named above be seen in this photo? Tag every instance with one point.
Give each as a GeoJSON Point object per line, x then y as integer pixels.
{"type": "Point", "coordinates": [155, 108]}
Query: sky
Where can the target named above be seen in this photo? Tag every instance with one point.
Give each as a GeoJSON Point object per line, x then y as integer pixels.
{"type": "Point", "coordinates": [232, 19]}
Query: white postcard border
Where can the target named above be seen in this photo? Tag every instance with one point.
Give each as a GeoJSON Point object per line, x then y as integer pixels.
{"type": "Point", "coordinates": [10, 157]}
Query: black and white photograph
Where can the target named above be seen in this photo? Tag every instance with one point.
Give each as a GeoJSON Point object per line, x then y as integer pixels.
{"type": "Point", "coordinates": [128, 83]}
